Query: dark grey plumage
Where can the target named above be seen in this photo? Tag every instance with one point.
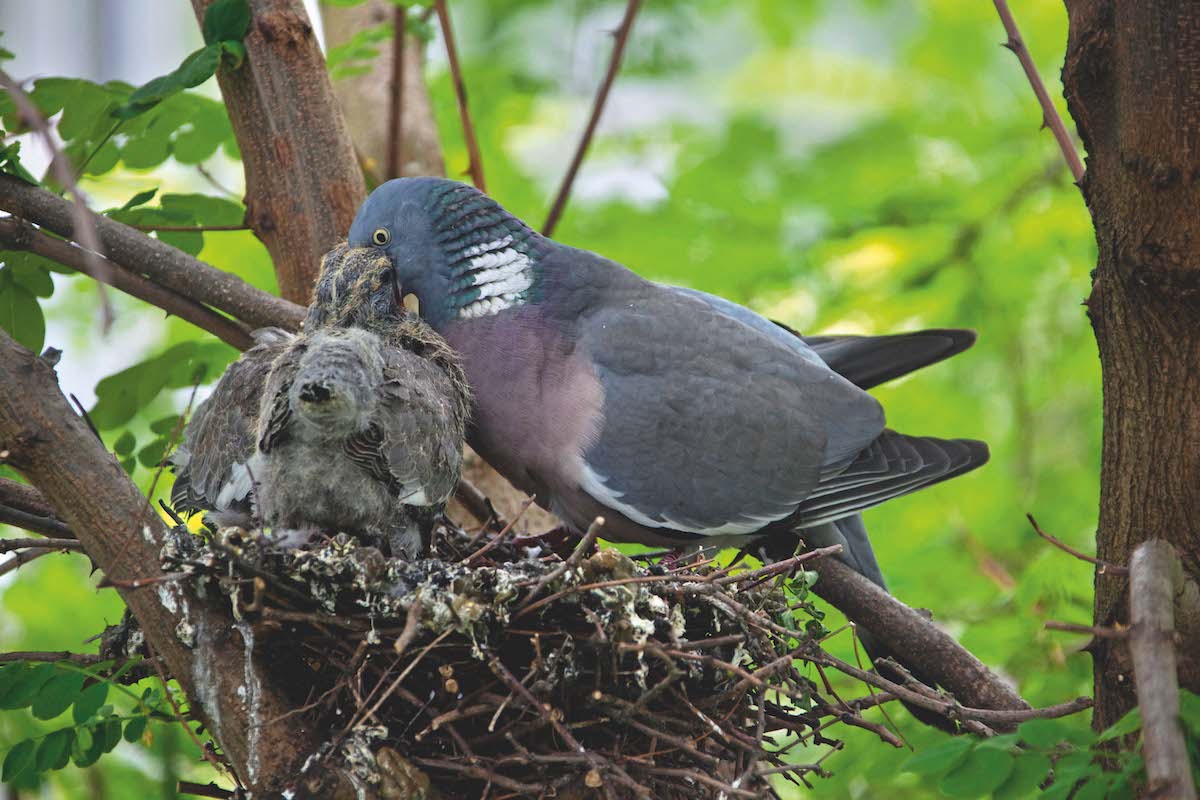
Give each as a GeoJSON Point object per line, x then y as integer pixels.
{"type": "Point", "coordinates": [355, 425]}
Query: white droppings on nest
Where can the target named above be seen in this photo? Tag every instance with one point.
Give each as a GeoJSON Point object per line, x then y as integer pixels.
{"type": "Point", "coordinates": [206, 680]}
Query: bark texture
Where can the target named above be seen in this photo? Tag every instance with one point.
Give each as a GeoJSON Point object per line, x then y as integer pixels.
{"type": "Point", "coordinates": [303, 183]}
{"type": "Point", "coordinates": [1132, 78]}
{"type": "Point", "coordinates": [365, 98]}
{"type": "Point", "coordinates": [50, 445]}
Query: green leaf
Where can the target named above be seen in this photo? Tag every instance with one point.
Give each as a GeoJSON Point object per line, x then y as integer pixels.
{"type": "Point", "coordinates": [90, 700]}
{"type": "Point", "coordinates": [55, 750]}
{"type": "Point", "coordinates": [57, 695]}
{"type": "Point", "coordinates": [151, 456]}
{"type": "Point", "coordinates": [1126, 725]}
{"type": "Point", "coordinates": [939, 759]}
{"type": "Point", "coordinates": [19, 759]}
{"type": "Point", "coordinates": [140, 198]}
{"type": "Point", "coordinates": [226, 20]}
{"type": "Point", "coordinates": [124, 444]}
{"type": "Point", "coordinates": [25, 685]}
{"type": "Point", "coordinates": [195, 70]}
{"type": "Point", "coordinates": [84, 738]}
{"type": "Point", "coordinates": [110, 733]}
{"type": "Point", "coordinates": [165, 426]}
{"type": "Point", "coordinates": [1029, 770]}
{"type": "Point", "coordinates": [983, 770]}
{"type": "Point", "coordinates": [1189, 711]}
{"type": "Point", "coordinates": [33, 277]}
{"type": "Point", "coordinates": [135, 728]}
{"type": "Point", "coordinates": [21, 316]}
{"type": "Point", "coordinates": [1042, 733]}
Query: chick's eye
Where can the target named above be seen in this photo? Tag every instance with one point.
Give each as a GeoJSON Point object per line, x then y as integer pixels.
{"type": "Point", "coordinates": [381, 236]}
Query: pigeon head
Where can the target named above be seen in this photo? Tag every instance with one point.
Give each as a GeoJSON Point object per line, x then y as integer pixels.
{"type": "Point", "coordinates": [355, 286]}
{"type": "Point", "coordinates": [335, 388]}
{"type": "Point", "coordinates": [452, 246]}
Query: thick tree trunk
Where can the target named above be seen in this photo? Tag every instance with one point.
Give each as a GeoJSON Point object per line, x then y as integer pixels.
{"type": "Point", "coordinates": [1132, 78]}
{"type": "Point", "coordinates": [303, 183]}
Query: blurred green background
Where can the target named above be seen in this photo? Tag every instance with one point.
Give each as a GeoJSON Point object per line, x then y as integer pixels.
{"type": "Point", "coordinates": [865, 166]}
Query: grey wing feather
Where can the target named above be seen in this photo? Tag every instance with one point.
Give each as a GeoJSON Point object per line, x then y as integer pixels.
{"type": "Point", "coordinates": [275, 410]}
{"type": "Point", "coordinates": [209, 465]}
{"type": "Point", "coordinates": [422, 425]}
{"type": "Point", "coordinates": [712, 424]}
{"type": "Point", "coordinates": [868, 361]}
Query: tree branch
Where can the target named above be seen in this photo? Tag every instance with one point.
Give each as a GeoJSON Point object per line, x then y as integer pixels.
{"type": "Point", "coordinates": [18, 235]}
{"type": "Point", "coordinates": [614, 65]}
{"type": "Point", "coordinates": [165, 265]}
{"type": "Point", "coordinates": [1155, 576]}
{"type": "Point", "coordinates": [927, 648]}
{"type": "Point", "coordinates": [303, 181]}
{"type": "Point", "coordinates": [1050, 116]}
{"type": "Point", "coordinates": [475, 165]}
{"type": "Point", "coordinates": [395, 153]}
{"type": "Point", "coordinates": [48, 443]}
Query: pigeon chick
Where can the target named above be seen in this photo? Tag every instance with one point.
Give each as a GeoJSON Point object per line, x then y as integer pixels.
{"type": "Point", "coordinates": [358, 436]}
{"type": "Point", "coordinates": [218, 469]}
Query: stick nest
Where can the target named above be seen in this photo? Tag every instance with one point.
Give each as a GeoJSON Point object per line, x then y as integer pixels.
{"type": "Point", "coordinates": [496, 670]}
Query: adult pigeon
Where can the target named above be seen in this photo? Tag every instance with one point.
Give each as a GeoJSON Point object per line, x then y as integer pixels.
{"type": "Point", "coordinates": [383, 393]}
{"type": "Point", "coordinates": [678, 416]}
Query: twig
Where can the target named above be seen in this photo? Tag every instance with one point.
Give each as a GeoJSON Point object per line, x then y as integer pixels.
{"type": "Point", "coordinates": [395, 146]}
{"type": "Point", "coordinates": [18, 235]}
{"type": "Point", "coordinates": [24, 497]}
{"type": "Point", "coordinates": [475, 163]}
{"type": "Point", "coordinates": [1155, 576]}
{"type": "Point", "coordinates": [584, 546]}
{"type": "Point", "coordinates": [204, 790]}
{"type": "Point", "coordinates": [190, 228]}
{"type": "Point", "coordinates": [614, 66]}
{"type": "Point", "coordinates": [9, 545]}
{"type": "Point", "coordinates": [22, 558]}
{"type": "Point", "coordinates": [84, 226]}
{"type": "Point", "coordinates": [1050, 115]}
{"type": "Point", "coordinates": [478, 505]}
{"type": "Point", "coordinates": [213, 182]}
{"type": "Point", "coordinates": [949, 707]}
{"type": "Point", "coordinates": [499, 537]}
{"type": "Point", "coordinates": [86, 417]}
{"type": "Point", "coordinates": [1105, 567]}
{"type": "Point", "coordinates": [47, 526]}
{"type": "Point", "coordinates": [1098, 631]}
{"type": "Point", "coordinates": [168, 266]}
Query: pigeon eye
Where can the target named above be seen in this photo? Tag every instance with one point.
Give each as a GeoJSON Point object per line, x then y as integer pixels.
{"type": "Point", "coordinates": [381, 236]}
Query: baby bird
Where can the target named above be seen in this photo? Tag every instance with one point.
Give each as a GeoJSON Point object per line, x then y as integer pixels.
{"type": "Point", "coordinates": [358, 436]}
{"type": "Point", "coordinates": [355, 425]}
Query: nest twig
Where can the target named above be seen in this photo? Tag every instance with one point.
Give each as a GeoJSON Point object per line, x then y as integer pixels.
{"type": "Point", "coordinates": [503, 672]}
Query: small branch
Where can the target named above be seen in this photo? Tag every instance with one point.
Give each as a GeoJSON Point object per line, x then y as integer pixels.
{"type": "Point", "coordinates": [1050, 115]}
{"type": "Point", "coordinates": [167, 266]}
{"type": "Point", "coordinates": [614, 66]}
{"type": "Point", "coordinates": [1006, 718]}
{"type": "Point", "coordinates": [1105, 567]}
{"type": "Point", "coordinates": [190, 228]}
{"type": "Point", "coordinates": [475, 165]}
{"type": "Point", "coordinates": [18, 235]}
{"type": "Point", "coordinates": [395, 137]}
{"type": "Point", "coordinates": [1155, 575]}
{"type": "Point", "coordinates": [1092, 630]}
{"type": "Point", "coordinates": [24, 497]}
{"type": "Point", "coordinates": [34, 523]}
{"type": "Point", "coordinates": [927, 649]}
{"type": "Point", "coordinates": [86, 229]}
{"type": "Point", "coordinates": [22, 558]}
{"type": "Point", "coordinates": [478, 505]}
{"type": "Point", "coordinates": [204, 790]}
{"type": "Point", "coordinates": [9, 545]}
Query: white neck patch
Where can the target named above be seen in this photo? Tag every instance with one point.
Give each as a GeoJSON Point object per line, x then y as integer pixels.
{"type": "Point", "coordinates": [501, 274]}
